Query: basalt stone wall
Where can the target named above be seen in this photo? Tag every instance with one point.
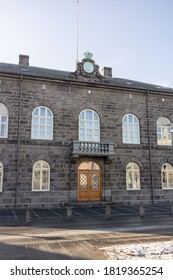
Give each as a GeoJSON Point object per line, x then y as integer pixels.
{"type": "Point", "coordinates": [66, 100]}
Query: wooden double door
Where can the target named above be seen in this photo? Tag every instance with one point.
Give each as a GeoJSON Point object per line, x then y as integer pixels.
{"type": "Point", "coordinates": [89, 182]}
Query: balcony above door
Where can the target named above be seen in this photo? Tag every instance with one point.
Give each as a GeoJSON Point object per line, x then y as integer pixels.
{"type": "Point", "coordinates": [85, 148]}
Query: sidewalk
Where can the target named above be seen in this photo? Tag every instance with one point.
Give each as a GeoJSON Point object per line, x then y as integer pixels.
{"type": "Point", "coordinates": [81, 238]}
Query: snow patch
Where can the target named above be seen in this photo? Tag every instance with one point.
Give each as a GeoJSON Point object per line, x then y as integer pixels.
{"type": "Point", "coordinates": [140, 251]}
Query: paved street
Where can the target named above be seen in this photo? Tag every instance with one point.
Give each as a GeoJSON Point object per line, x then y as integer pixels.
{"type": "Point", "coordinates": [51, 236]}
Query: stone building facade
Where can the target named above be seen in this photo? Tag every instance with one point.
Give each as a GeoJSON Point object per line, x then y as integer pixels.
{"type": "Point", "coordinates": [82, 137]}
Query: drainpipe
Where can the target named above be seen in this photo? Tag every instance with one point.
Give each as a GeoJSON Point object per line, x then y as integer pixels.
{"type": "Point", "coordinates": [69, 177]}
{"type": "Point", "coordinates": [19, 138]}
{"type": "Point", "coordinates": [150, 149]}
{"type": "Point", "coordinates": [103, 181]}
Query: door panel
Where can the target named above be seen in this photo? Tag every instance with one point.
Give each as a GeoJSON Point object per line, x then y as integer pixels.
{"type": "Point", "coordinates": [94, 185]}
{"type": "Point", "coordinates": [83, 186]}
{"type": "Point", "coordinates": [89, 185]}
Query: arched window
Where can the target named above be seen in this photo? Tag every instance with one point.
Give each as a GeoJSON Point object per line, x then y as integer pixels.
{"type": "Point", "coordinates": [163, 131]}
{"type": "Point", "coordinates": [132, 176]}
{"type": "Point", "coordinates": [89, 126]}
{"type": "Point", "coordinates": [42, 123]}
{"type": "Point", "coordinates": [3, 121]}
{"type": "Point", "coordinates": [41, 176]}
{"type": "Point", "coordinates": [131, 129]}
{"type": "Point", "coordinates": [1, 176]}
{"type": "Point", "coordinates": [167, 176]}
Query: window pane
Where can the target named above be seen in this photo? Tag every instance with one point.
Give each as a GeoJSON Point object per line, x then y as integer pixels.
{"type": "Point", "coordinates": [89, 138]}
{"type": "Point", "coordinates": [81, 137]}
{"type": "Point", "coordinates": [89, 115]}
{"type": "Point", "coordinates": [96, 117]}
{"type": "Point", "coordinates": [135, 120]}
{"type": "Point", "coordinates": [42, 121]}
{"type": "Point", "coordinates": [95, 132]}
{"type": "Point", "coordinates": [135, 134]}
{"type": "Point", "coordinates": [82, 116]}
{"type": "Point", "coordinates": [3, 118]}
{"type": "Point", "coordinates": [131, 135]}
{"type": "Point", "coordinates": [89, 132]}
{"type": "Point", "coordinates": [42, 111]}
{"type": "Point", "coordinates": [35, 121]}
{"type": "Point", "coordinates": [129, 180]}
{"type": "Point", "coordinates": [49, 113]}
{"type": "Point", "coordinates": [82, 131]}
{"type": "Point", "coordinates": [42, 129]}
{"type": "Point", "coordinates": [129, 166]}
{"type": "Point", "coordinates": [36, 112]}
{"type": "Point", "coordinates": [45, 186]}
{"type": "Point", "coordinates": [159, 129]}
{"type": "Point", "coordinates": [34, 135]}
{"type": "Point", "coordinates": [96, 138]}
{"type": "Point", "coordinates": [158, 137]}
{"type": "Point", "coordinates": [125, 137]}
{"type": "Point", "coordinates": [136, 180]}
{"type": "Point", "coordinates": [35, 128]}
{"type": "Point", "coordinates": [162, 121]}
{"type": "Point", "coordinates": [37, 164]}
{"type": "Point", "coordinates": [125, 119]}
{"type": "Point", "coordinates": [36, 177]}
{"type": "Point", "coordinates": [130, 127]}
{"type": "Point", "coordinates": [49, 122]}
{"type": "Point", "coordinates": [130, 119]}
{"type": "Point", "coordinates": [3, 130]}
{"type": "Point", "coordinates": [170, 179]}
{"type": "Point", "coordinates": [89, 124]}
{"type": "Point", "coordinates": [36, 186]}
{"type": "Point", "coordinates": [3, 109]}
{"type": "Point", "coordinates": [125, 126]}
{"type": "Point", "coordinates": [48, 136]}
{"type": "Point", "coordinates": [135, 127]}
{"type": "Point", "coordinates": [81, 124]}
{"type": "Point", "coordinates": [96, 125]}
{"type": "Point", "coordinates": [45, 175]}
{"type": "Point", "coordinates": [48, 129]}
{"type": "Point", "coordinates": [44, 164]}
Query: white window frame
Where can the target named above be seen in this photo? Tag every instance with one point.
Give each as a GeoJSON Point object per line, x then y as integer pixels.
{"type": "Point", "coordinates": [165, 179]}
{"type": "Point", "coordinates": [38, 118]}
{"type": "Point", "coordinates": [90, 127]}
{"type": "Point", "coordinates": [3, 113]}
{"type": "Point", "coordinates": [41, 169]}
{"type": "Point", "coordinates": [163, 132]}
{"type": "Point", "coordinates": [1, 176]}
{"type": "Point", "coordinates": [133, 169]}
{"type": "Point", "coordinates": [131, 129]}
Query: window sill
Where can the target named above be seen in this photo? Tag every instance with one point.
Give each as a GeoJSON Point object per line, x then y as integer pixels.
{"type": "Point", "coordinates": [133, 190]}
{"type": "Point", "coordinates": [40, 139]}
{"type": "Point", "coordinates": [167, 189]}
{"type": "Point", "coordinates": [40, 190]}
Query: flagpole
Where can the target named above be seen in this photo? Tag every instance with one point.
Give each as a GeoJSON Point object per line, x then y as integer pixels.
{"type": "Point", "coordinates": [77, 30]}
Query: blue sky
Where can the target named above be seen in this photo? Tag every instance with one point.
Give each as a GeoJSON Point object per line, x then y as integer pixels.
{"type": "Point", "coordinates": [134, 37]}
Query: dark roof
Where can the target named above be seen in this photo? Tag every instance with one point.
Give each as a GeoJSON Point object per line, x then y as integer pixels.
{"type": "Point", "coordinates": [31, 71]}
